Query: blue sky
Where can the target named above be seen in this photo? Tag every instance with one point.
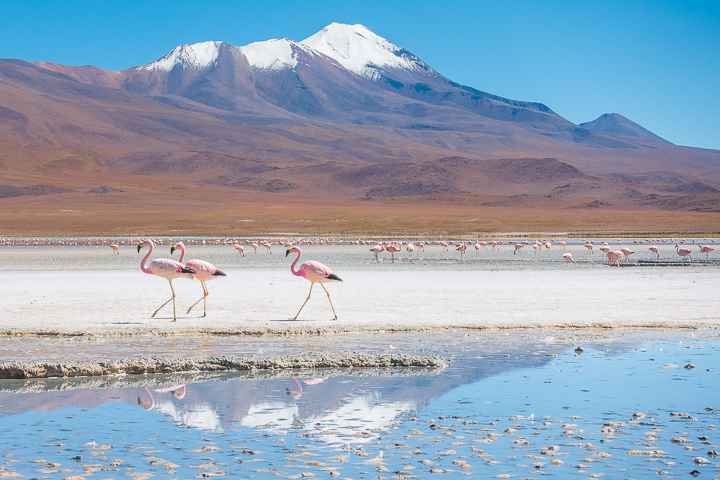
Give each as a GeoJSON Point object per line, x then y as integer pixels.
{"type": "Point", "coordinates": [655, 62]}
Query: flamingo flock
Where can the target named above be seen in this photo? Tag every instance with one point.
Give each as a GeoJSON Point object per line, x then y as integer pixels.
{"type": "Point", "coordinates": [315, 272]}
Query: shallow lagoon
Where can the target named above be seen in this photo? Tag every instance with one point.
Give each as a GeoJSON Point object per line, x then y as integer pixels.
{"type": "Point", "coordinates": [469, 419]}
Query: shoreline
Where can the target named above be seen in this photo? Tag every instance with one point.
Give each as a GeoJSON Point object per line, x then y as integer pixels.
{"type": "Point", "coordinates": [300, 331]}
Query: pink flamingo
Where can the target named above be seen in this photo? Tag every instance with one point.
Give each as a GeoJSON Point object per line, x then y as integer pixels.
{"type": "Point", "coordinates": [421, 245]}
{"type": "Point", "coordinates": [444, 245]}
{"type": "Point", "coordinates": [254, 245]}
{"type": "Point", "coordinates": [314, 271]}
{"type": "Point", "coordinates": [683, 252]}
{"type": "Point", "coordinates": [477, 248]}
{"type": "Point", "coordinates": [377, 249]}
{"type": "Point", "coordinates": [204, 271]}
{"type": "Point", "coordinates": [614, 255]}
{"type": "Point", "coordinates": [589, 247]}
{"type": "Point", "coordinates": [706, 249]}
{"type": "Point", "coordinates": [411, 250]}
{"type": "Point", "coordinates": [115, 248]}
{"type": "Point", "coordinates": [239, 248]}
{"type": "Point", "coordinates": [461, 247]}
{"type": "Point", "coordinates": [563, 245]}
{"type": "Point", "coordinates": [626, 251]}
{"type": "Point", "coordinates": [655, 251]}
{"type": "Point", "coordinates": [518, 246]}
{"type": "Point", "coordinates": [392, 248]}
{"type": "Point", "coordinates": [568, 257]}
{"type": "Point", "coordinates": [165, 268]}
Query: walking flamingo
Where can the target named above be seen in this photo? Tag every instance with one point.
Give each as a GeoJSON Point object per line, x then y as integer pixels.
{"type": "Point", "coordinates": [568, 257]}
{"type": "Point", "coordinates": [683, 252]}
{"type": "Point", "coordinates": [461, 247]}
{"type": "Point", "coordinates": [268, 247]}
{"type": "Point", "coordinates": [655, 251]}
{"type": "Point", "coordinates": [563, 245]}
{"type": "Point", "coordinates": [589, 247]}
{"type": "Point", "coordinates": [314, 271]}
{"type": "Point", "coordinates": [444, 245]}
{"type": "Point", "coordinates": [239, 248]}
{"type": "Point", "coordinates": [165, 268]}
{"type": "Point", "coordinates": [254, 245]}
{"type": "Point", "coordinates": [116, 249]}
{"type": "Point", "coordinates": [204, 271]}
{"type": "Point", "coordinates": [477, 249]}
{"type": "Point", "coordinates": [377, 249]}
{"type": "Point", "coordinates": [518, 246]}
{"type": "Point", "coordinates": [706, 249]}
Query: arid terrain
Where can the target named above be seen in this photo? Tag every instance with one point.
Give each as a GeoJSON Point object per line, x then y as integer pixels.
{"type": "Point", "coordinates": [232, 147]}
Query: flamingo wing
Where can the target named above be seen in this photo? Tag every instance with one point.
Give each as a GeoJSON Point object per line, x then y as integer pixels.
{"type": "Point", "coordinates": [166, 268]}
{"type": "Point", "coordinates": [204, 270]}
{"type": "Point", "coordinates": [317, 272]}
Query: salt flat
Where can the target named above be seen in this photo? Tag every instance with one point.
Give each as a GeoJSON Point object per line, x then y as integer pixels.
{"type": "Point", "coordinates": [88, 290]}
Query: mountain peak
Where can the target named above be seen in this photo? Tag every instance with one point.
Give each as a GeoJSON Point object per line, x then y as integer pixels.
{"type": "Point", "coordinates": [360, 50]}
{"type": "Point", "coordinates": [273, 55]}
{"type": "Point", "coordinates": [617, 124]}
{"type": "Point", "coordinates": [194, 56]}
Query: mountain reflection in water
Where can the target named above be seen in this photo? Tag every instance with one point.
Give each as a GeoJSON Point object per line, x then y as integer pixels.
{"type": "Point", "coordinates": [616, 408]}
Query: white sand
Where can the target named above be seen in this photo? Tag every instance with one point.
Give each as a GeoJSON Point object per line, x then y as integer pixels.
{"type": "Point", "coordinates": [98, 300]}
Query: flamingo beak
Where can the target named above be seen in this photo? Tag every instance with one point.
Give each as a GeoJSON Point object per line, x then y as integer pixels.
{"type": "Point", "coordinates": [172, 249]}
{"type": "Point", "coordinates": [139, 247]}
{"type": "Point", "coordinates": [287, 252]}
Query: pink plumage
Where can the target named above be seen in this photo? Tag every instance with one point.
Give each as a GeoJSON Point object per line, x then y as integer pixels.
{"type": "Point", "coordinates": [204, 271]}
{"type": "Point", "coordinates": [165, 268]}
{"type": "Point", "coordinates": [314, 271]}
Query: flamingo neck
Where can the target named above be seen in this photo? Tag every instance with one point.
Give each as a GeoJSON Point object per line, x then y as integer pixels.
{"type": "Point", "coordinates": [292, 267]}
{"type": "Point", "coordinates": [181, 247]}
{"type": "Point", "coordinates": [143, 263]}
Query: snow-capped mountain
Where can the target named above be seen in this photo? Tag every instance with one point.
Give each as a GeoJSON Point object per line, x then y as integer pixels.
{"type": "Point", "coordinates": [195, 56]}
{"type": "Point", "coordinates": [342, 73]}
{"type": "Point", "coordinates": [340, 102]}
{"type": "Point", "coordinates": [361, 51]}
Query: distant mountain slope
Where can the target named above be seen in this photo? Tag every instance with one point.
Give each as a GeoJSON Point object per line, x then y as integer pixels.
{"type": "Point", "coordinates": [616, 123]}
{"type": "Point", "coordinates": [343, 113]}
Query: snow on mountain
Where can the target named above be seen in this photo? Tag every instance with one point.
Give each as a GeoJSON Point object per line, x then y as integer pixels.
{"type": "Point", "coordinates": [361, 51]}
{"type": "Point", "coordinates": [195, 56]}
{"type": "Point", "coordinates": [273, 55]}
{"type": "Point", "coordinates": [354, 47]}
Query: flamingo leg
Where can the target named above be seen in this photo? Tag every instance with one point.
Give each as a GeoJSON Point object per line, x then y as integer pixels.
{"type": "Point", "coordinates": [204, 298]}
{"type": "Point", "coordinates": [306, 300]}
{"type": "Point", "coordinates": [173, 300]}
{"type": "Point", "coordinates": [331, 305]}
